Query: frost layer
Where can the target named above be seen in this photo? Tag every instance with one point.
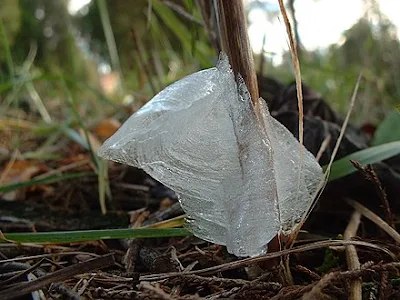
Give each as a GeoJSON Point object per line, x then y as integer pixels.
{"type": "Point", "coordinates": [236, 172]}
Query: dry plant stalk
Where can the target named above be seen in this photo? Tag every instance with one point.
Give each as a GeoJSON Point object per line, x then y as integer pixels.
{"type": "Point", "coordinates": [376, 219]}
{"type": "Point", "coordinates": [235, 42]}
{"type": "Point", "coordinates": [335, 150]}
{"type": "Point", "coordinates": [316, 291]}
{"type": "Point", "coordinates": [296, 65]}
{"type": "Point", "coordinates": [353, 262]}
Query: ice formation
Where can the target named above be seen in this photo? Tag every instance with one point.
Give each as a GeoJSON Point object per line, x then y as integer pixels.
{"type": "Point", "coordinates": [235, 169]}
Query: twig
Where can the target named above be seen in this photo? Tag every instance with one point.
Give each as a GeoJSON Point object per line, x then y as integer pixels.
{"type": "Point", "coordinates": [312, 274]}
{"type": "Point", "coordinates": [156, 290]}
{"type": "Point", "coordinates": [26, 258]}
{"type": "Point", "coordinates": [316, 290]}
{"type": "Point", "coordinates": [258, 259]}
{"type": "Point", "coordinates": [374, 218]}
{"type": "Point", "coordinates": [337, 276]}
{"type": "Point", "coordinates": [195, 280]}
{"type": "Point", "coordinates": [60, 275]}
{"type": "Point", "coordinates": [353, 262]}
{"type": "Point", "coordinates": [28, 270]}
{"type": "Point", "coordinates": [369, 173]}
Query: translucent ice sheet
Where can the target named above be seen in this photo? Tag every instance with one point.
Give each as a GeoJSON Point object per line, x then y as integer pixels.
{"type": "Point", "coordinates": [236, 174]}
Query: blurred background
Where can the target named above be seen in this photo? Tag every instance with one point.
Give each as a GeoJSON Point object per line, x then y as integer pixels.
{"type": "Point", "coordinates": [129, 50]}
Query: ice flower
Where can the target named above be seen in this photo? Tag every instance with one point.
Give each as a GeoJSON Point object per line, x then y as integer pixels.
{"type": "Point", "coordinates": [238, 172]}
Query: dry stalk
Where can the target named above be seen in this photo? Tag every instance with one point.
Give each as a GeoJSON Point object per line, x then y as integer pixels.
{"type": "Point", "coordinates": [324, 146]}
{"type": "Point", "coordinates": [235, 42]}
{"type": "Point", "coordinates": [334, 152]}
{"type": "Point", "coordinates": [374, 218]}
{"type": "Point", "coordinates": [296, 65]}
{"type": "Point", "coordinates": [335, 277]}
{"type": "Point", "coordinates": [311, 274]}
{"type": "Point", "coordinates": [316, 291]}
{"type": "Point", "coordinates": [353, 263]}
{"type": "Point", "coordinates": [159, 293]}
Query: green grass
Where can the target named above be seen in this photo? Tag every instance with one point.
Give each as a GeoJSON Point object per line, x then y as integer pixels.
{"type": "Point", "coordinates": [343, 167]}
{"type": "Point", "coordinates": [91, 235]}
{"type": "Point", "coordinates": [388, 130]}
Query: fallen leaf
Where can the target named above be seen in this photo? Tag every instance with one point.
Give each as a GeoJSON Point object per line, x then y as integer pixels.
{"type": "Point", "coordinates": [106, 128]}
{"type": "Point", "coordinates": [19, 171]}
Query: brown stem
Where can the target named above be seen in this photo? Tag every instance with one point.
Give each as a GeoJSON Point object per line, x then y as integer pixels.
{"type": "Point", "coordinates": [235, 42]}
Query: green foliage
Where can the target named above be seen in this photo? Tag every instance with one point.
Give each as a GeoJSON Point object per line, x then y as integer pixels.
{"type": "Point", "coordinates": [388, 130]}
{"type": "Point", "coordinates": [44, 26]}
{"type": "Point", "coordinates": [331, 260]}
{"type": "Point", "coordinates": [370, 49]}
{"type": "Point", "coordinates": [10, 16]}
{"type": "Point", "coordinates": [343, 167]}
{"type": "Point", "coordinates": [45, 180]}
{"type": "Point", "coordinates": [199, 50]}
{"type": "Point", "coordinates": [164, 47]}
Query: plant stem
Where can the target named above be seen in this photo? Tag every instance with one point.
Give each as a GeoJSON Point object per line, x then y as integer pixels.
{"type": "Point", "coordinates": [235, 42]}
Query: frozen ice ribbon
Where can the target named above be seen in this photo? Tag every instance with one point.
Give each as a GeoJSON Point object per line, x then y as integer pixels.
{"type": "Point", "coordinates": [234, 167]}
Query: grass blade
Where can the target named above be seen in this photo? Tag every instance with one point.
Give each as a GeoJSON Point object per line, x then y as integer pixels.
{"type": "Point", "coordinates": [388, 130]}
{"type": "Point", "coordinates": [47, 180]}
{"type": "Point", "coordinates": [343, 167]}
{"type": "Point", "coordinates": [110, 40]}
{"type": "Point", "coordinates": [203, 52]}
{"type": "Point", "coordinates": [91, 235]}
